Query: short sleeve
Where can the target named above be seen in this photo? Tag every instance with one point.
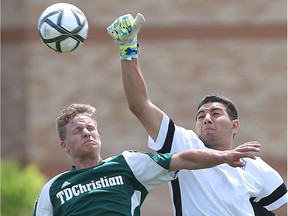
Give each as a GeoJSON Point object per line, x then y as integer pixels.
{"type": "Point", "coordinates": [273, 193]}
{"type": "Point", "coordinates": [150, 169]}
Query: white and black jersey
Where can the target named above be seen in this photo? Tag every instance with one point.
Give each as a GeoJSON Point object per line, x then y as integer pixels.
{"type": "Point", "coordinates": [221, 190]}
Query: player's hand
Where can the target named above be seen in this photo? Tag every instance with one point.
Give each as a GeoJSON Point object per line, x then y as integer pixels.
{"type": "Point", "coordinates": [124, 30]}
{"type": "Point", "coordinates": [246, 150]}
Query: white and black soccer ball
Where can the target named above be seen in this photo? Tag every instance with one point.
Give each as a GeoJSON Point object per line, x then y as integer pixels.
{"type": "Point", "coordinates": [63, 27]}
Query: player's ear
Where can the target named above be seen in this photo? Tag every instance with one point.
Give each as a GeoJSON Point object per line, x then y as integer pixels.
{"type": "Point", "coordinates": [235, 126]}
{"type": "Point", "coordinates": [64, 146]}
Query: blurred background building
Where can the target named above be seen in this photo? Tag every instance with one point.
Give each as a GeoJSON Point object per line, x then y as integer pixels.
{"type": "Point", "coordinates": [188, 49]}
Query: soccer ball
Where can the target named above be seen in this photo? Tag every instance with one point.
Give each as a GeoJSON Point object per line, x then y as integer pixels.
{"type": "Point", "coordinates": [63, 27]}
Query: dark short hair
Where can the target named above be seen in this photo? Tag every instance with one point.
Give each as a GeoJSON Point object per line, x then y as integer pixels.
{"type": "Point", "coordinates": [230, 106]}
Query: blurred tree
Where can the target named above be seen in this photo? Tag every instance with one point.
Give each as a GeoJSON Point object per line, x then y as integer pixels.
{"type": "Point", "coordinates": [19, 188]}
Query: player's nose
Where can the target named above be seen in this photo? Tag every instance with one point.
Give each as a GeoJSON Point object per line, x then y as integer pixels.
{"type": "Point", "coordinates": [207, 119]}
{"type": "Point", "coordinates": [86, 132]}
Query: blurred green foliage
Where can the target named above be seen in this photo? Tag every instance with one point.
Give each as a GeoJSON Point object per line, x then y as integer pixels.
{"type": "Point", "coordinates": [19, 188]}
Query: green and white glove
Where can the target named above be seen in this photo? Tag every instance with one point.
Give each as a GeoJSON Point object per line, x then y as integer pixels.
{"type": "Point", "coordinates": [124, 32]}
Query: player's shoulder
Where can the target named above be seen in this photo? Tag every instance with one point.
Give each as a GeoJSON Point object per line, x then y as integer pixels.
{"type": "Point", "coordinates": [120, 157]}
{"type": "Point", "coordinates": [187, 139]}
{"type": "Point", "coordinates": [130, 152]}
{"type": "Point", "coordinates": [135, 153]}
{"type": "Point", "coordinates": [179, 129]}
{"type": "Point", "coordinates": [55, 181]}
{"type": "Point", "coordinates": [126, 155]}
{"type": "Point", "coordinates": [144, 156]}
{"type": "Point", "coordinates": [257, 164]}
{"type": "Point", "coordinates": [58, 177]}
{"type": "Point", "coordinates": [254, 162]}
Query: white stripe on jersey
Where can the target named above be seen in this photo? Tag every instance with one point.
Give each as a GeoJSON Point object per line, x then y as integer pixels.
{"type": "Point", "coordinates": [148, 173]}
{"type": "Point", "coordinates": [44, 205]}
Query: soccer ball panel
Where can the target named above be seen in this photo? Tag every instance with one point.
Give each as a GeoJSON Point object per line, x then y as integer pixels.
{"type": "Point", "coordinates": [65, 45]}
{"type": "Point", "coordinates": [63, 27]}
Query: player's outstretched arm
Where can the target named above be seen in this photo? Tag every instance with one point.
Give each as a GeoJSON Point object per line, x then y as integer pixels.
{"type": "Point", "coordinates": [204, 158]}
{"type": "Point", "coordinates": [124, 31]}
{"type": "Point", "coordinates": [137, 97]}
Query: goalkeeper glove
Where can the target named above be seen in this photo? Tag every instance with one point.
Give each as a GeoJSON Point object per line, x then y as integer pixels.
{"type": "Point", "coordinates": [124, 31]}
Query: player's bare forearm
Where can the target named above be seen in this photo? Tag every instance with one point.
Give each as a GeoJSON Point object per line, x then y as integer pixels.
{"type": "Point", "coordinates": [200, 158]}
{"type": "Point", "coordinates": [134, 86]}
{"type": "Point", "coordinates": [137, 97]}
{"type": "Point", "coordinates": [124, 31]}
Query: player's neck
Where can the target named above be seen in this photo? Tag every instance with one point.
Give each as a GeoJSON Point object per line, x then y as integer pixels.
{"type": "Point", "coordinates": [220, 146]}
{"type": "Point", "coordinates": [86, 163]}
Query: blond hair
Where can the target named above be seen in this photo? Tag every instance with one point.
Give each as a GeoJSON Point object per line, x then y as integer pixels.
{"type": "Point", "coordinates": [69, 113]}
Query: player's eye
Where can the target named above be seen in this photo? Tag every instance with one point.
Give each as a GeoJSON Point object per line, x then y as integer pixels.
{"type": "Point", "coordinates": [76, 131]}
{"type": "Point", "coordinates": [199, 117]}
{"type": "Point", "coordinates": [215, 114]}
{"type": "Point", "coordinates": [91, 128]}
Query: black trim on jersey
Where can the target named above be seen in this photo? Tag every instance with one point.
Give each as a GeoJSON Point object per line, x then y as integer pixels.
{"type": "Point", "coordinates": [174, 183]}
{"type": "Point", "coordinates": [259, 210]}
{"type": "Point", "coordinates": [177, 197]}
{"type": "Point", "coordinates": [169, 138]}
{"type": "Point", "coordinates": [277, 194]}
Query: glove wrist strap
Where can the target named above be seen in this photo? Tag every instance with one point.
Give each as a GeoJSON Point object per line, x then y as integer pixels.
{"type": "Point", "coordinates": [128, 51]}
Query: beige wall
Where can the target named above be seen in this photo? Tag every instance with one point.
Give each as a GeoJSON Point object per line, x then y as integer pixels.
{"type": "Point", "coordinates": [234, 48]}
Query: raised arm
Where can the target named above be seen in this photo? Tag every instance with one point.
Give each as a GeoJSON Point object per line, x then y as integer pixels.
{"type": "Point", "coordinates": [200, 159]}
{"type": "Point", "coordinates": [124, 31]}
{"type": "Point", "coordinates": [139, 103]}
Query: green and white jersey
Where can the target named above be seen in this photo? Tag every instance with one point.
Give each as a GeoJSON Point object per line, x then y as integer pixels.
{"type": "Point", "coordinates": [116, 186]}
